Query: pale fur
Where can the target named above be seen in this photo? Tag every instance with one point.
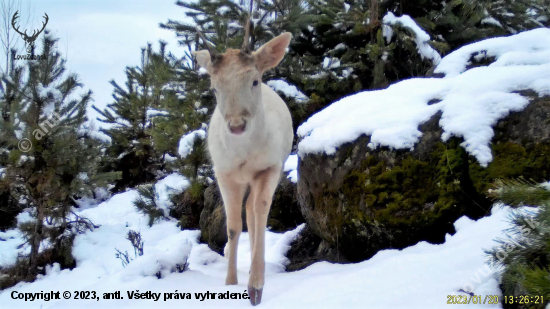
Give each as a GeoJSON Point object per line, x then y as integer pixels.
{"type": "Point", "coordinates": [253, 159]}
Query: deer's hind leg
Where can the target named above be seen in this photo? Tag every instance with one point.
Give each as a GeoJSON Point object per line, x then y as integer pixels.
{"type": "Point", "coordinates": [232, 195]}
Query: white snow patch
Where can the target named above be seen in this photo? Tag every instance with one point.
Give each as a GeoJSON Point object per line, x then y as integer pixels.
{"type": "Point", "coordinates": [170, 184]}
{"type": "Point", "coordinates": [188, 140]}
{"type": "Point", "coordinates": [331, 63]}
{"type": "Point", "coordinates": [521, 46]}
{"type": "Point", "coordinates": [202, 111]}
{"type": "Point", "coordinates": [421, 37]}
{"type": "Point", "coordinates": [291, 166]}
{"type": "Point", "coordinates": [169, 158]}
{"type": "Point", "coordinates": [340, 46]}
{"type": "Point", "coordinates": [288, 89]}
{"type": "Point", "coordinates": [491, 21]}
{"type": "Point", "coordinates": [10, 240]}
{"type": "Point", "coordinates": [151, 112]}
{"type": "Point", "coordinates": [471, 103]}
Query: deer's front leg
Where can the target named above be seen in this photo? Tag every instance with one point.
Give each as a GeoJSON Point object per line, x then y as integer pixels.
{"type": "Point", "coordinates": [250, 218]}
{"type": "Point", "coordinates": [232, 195]}
{"type": "Point", "coordinates": [264, 185]}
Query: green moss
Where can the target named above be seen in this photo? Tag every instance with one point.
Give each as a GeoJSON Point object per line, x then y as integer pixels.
{"type": "Point", "coordinates": [512, 160]}
{"type": "Point", "coordinates": [397, 190]}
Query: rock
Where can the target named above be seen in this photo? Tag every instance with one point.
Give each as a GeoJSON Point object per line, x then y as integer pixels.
{"type": "Point", "coordinates": [284, 214]}
{"type": "Point", "coordinates": [188, 209]}
{"type": "Point", "coordinates": [309, 248]}
{"type": "Point", "coordinates": [212, 220]}
{"type": "Point", "coordinates": [361, 201]}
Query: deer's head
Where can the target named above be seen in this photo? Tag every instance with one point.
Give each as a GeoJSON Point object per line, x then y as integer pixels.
{"type": "Point", "coordinates": [236, 78]}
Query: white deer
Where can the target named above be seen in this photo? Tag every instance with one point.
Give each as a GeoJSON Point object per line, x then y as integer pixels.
{"type": "Point", "coordinates": [249, 138]}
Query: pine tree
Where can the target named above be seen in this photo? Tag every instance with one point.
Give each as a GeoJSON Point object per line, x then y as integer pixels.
{"type": "Point", "coordinates": [143, 126]}
{"type": "Point", "coordinates": [51, 160]}
{"type": "Point", "coordinates": [11, 95]}
{"type": "Point", "coordinates": [146, 203]}
{"type": "Point", "coordinates": [525, 256]}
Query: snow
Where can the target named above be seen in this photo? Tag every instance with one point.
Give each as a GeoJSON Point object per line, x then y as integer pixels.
{"type": "Point", "coordinates": [9, 243]}
{"type": "Point", "coordinates": [421, 37]}
{"type": "Point", "coordinates": [524, 44]}
{"type": "Point", "coordinates": [169, 158]}
{"type": "Point", "coordinates": [420, 276]}
{"type": "Point", "coordinates": [340, 46]}
{"type": "Point", "coordinates": [151, 112]}
{"type": "Point", "coordinates": [188, 140]}
{"type": "Point", "coordinates": [170, 184]}
{"type": "Point", "coordinates": [202, 111]}
{"type": "Point", "coordinates": [331, 63]}
{"type": "Point", "coordinates": [471, 102]}
{"type": "Point", "coordinates": [289, 90]}
{"type": "Point", "coordinates": [45, 92]}
{"type": "Point", "coordinates": [491, 21]}
{"type": "Point", "coordinates": [99, 135]}
{"type": "Point", "coordinates": [291, 166]}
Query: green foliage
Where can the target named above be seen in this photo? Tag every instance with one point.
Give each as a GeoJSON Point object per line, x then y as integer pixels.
{"type": "Point", "coordinates": [519, 192]}
{"type": "Point", "coordinates": [524, 257]}
{"type": "Point", "coordinates": [146, 203]}
{"type": "Point", "coordinates": [133, 116]}
{"type": "Point", "coordinates": [58, 163]}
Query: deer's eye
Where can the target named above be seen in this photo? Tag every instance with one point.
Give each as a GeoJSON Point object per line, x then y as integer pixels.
{"type": "Point", "coordinates": [255, 83]}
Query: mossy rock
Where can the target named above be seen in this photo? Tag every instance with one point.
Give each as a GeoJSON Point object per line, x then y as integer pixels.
{"type": "Point", "coordinates": [361, 201]}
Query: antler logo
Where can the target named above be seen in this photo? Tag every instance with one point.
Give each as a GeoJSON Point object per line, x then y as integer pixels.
{"type": "Point", "coordinates": [29, 40]}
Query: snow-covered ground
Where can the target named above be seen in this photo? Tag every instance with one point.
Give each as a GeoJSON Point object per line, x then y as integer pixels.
{"type": "Point", "coordinates": [421, 276]}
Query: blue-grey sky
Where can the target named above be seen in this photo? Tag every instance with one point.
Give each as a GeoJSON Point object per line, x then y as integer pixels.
{"type": "Point", "coordinates": [100, 38]}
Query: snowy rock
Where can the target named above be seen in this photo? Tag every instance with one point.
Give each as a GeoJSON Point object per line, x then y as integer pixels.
{"type": "Point", "coordinates": [377, 179]}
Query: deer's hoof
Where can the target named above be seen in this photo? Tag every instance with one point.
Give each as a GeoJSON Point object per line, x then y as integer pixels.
{"type": "Point", "coordinates": [255, 295]}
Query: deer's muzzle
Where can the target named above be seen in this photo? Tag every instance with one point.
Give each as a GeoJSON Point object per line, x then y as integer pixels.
{"type": "Point", "coordinates": [237, 127]}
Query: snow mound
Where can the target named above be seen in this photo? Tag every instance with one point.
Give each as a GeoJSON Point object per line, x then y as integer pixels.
{"type": "Point", "coordinates": [470, 102]}
{"type": "Point", "coordinates": [526, 48]}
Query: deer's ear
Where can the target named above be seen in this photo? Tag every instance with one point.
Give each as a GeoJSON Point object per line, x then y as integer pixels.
{"type": "Point", "coordinates": [204, 60]}
{"type": "Point", "coordinates": [272, 52]}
